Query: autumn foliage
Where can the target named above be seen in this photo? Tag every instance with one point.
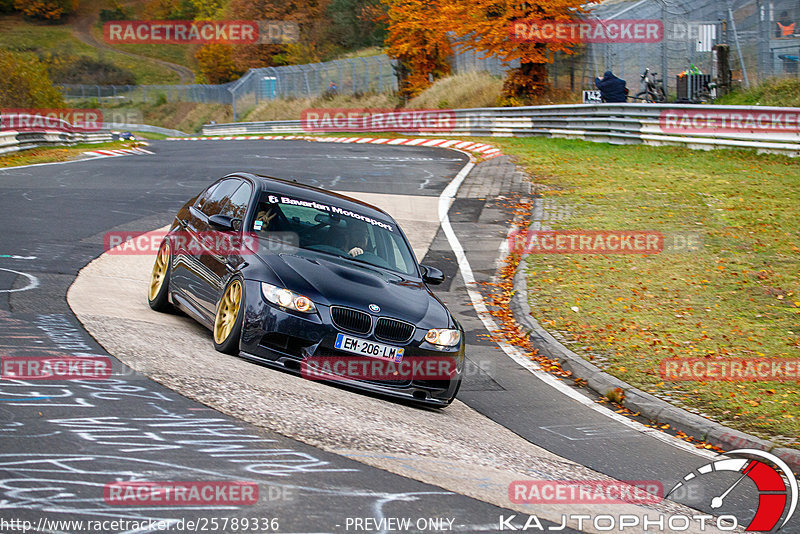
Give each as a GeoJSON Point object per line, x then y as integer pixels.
{"type": "Point", "coordinates": [24, 83]}
{"type": "Point", "coordinates": [215, 62]}
{"type": "Point", "coordinates": [46, 9]}
{"type": "Point", "coordinates": [310, 15]}
{"type": "Point", "coordinates": [420, 33]}
{"type": "Point", "coordinates": [418, 42]}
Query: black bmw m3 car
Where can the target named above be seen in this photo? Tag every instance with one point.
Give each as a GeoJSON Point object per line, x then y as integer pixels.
{"type": "Point", "coordinates": [313, 282]}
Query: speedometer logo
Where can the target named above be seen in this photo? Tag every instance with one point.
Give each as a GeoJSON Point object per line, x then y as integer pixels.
{"type": "Point", "coordinates": [776, 486]}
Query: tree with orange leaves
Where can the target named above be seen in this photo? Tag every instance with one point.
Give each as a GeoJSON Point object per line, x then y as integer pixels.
{"type": "Point", "coordinates": [419, 31]}
{"type": "Point", "coordinates": [310, 15]}
{"type": "Point", "coordinates": [417, 41]}
{"type": "Point", "coordinates": [485, 26]}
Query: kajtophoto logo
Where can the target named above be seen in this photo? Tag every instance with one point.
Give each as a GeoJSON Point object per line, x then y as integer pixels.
{"type": "Point", "coordinates": [776, 486]}
{"type": "Point", "coordinates": [746, 488]}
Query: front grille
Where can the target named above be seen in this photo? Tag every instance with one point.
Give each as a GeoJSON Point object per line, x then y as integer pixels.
{"type": "Point", "coordinates": [393, 330]}
{"type": "Point", "coordinates": [352, 320]}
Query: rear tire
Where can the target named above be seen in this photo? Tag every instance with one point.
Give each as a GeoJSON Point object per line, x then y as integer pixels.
{"type": "Point", "coordinates": [158, 293]}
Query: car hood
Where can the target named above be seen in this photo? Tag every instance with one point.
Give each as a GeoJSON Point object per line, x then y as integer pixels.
{"type": "Point", "coordinates": [333, 281]}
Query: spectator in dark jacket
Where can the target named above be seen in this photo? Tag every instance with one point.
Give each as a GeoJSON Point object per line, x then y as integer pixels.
{"type": "Point", "coordinates": [612, 89]}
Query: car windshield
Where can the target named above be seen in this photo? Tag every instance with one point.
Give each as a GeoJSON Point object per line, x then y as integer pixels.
{"type": "Point", "coordinates": [333, 230]}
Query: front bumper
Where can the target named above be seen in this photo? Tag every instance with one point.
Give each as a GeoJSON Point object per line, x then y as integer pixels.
{"type": "Point", "coordinates": [287, 339]}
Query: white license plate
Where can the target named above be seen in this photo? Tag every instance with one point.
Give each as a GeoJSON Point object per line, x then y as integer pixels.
{"type": "Point", "coordinates": [368, 348]}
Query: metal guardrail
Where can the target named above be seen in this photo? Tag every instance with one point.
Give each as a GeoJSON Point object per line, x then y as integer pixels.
{"type": "Point", "coordinates": [14, 141]}
{"type": "Point", "coordinates": [765, 129]}
{"type": "Point", "coordinates": [127, 127]}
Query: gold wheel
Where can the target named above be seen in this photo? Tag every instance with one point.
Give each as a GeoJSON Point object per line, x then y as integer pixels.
{"type": "Point", "coordinates": [159, 271]}
{"type": "Point", "coordinates": [227, 312]}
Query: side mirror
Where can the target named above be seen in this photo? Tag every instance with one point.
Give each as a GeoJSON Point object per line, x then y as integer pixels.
{"type": "Point", "coordinates": [223, 223]}
{"type": "Point", "coordinates": [431, 275]}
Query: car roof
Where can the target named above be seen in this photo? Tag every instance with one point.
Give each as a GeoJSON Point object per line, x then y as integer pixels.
{"type": "Point", "coordinates": [271, 184]}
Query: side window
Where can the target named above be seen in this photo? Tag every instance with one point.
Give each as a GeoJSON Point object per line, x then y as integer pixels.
{"type": "Point", "coordinates": [237, 205]}
{"type": "Point", "coordinates": [401, 260]}
{"type": "Point", "coordinates": [215, 198]}
{"type": "Point", "coordinates": [204, 196]}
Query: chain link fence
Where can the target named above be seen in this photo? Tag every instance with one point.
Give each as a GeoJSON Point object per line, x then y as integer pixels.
{"type": "Point", "coordinates": [462, 62]}
{"type": "Point", "coordinates": [375, 74]}
{"type": "Point", "coordinates": [763, 36]}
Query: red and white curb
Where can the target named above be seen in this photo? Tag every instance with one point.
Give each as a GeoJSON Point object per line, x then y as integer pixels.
{"type": "Point", "coordinates": [480, 149]}
{"type": "Point", "coordinates": [110, 153]}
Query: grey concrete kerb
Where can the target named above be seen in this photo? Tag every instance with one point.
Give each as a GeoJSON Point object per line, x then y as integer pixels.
{"type": "Point", "coordinates": [636, 400]}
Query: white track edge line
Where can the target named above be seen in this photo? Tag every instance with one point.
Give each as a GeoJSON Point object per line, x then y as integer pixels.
{"type": "Point", "coordinates": [515, 353]}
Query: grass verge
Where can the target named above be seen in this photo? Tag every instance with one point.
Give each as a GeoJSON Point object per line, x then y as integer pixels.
{"type": "Point", "coordinates": [54, 154]}
{"type": "Point", "coordinates": [737, 296]}
{"type": "Point", "coordinates": [774, 92]}
{"type": "Point", "coordinates": [19, 34]}
{"type": "Point", "coordinates": [468, 90]}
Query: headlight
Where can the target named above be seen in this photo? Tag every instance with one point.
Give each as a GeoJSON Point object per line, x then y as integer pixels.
{"type": "Point", "coordinates": [287, 299]}
{"type": "Point", "coordinates": [443, 336]}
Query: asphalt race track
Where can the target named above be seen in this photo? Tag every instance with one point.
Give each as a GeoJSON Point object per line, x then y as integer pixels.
{"type": "Point", "coordinates": [62, 443]}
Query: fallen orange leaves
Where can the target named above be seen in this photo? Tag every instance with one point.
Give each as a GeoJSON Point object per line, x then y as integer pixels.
{"type": "Point", "coordinates": [499, 297]}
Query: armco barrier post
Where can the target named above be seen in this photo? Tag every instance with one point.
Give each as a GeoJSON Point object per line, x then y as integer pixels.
{"type": "Point", "coordinates": [366, 74]}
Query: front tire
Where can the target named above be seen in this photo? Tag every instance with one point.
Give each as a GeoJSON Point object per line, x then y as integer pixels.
{"type": "Point", "coordinates": [158, 292]}
{"type": "Point", "coordinates": [458, 386]}
{"type": "Point", "coordinates": [228, 319]}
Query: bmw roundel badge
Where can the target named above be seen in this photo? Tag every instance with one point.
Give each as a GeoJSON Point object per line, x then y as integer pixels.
{"type": "Point", "coordinates": [374, 308]}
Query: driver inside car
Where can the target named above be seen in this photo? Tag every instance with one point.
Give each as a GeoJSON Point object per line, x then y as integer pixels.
{"type": "Point", "coordinates": [358, 240]}
{"type": "Point", "coordinates": [263, 218]}
{"type": "Point", "coordinates": [354, 240]}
